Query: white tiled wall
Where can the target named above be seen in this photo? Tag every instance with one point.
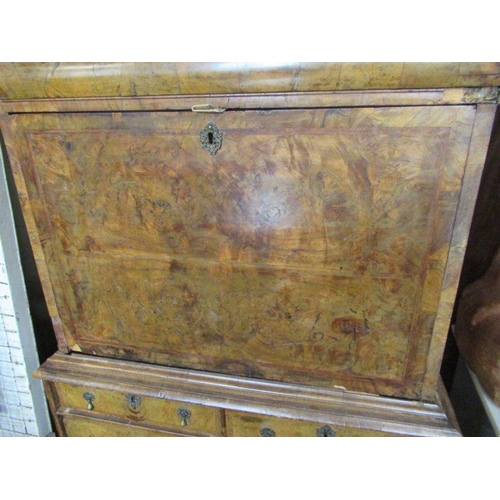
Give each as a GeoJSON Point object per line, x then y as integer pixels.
{"type": "Point", "coordinates": [23, 409]}
{"type": "Point", "coordinates": [17, 416]}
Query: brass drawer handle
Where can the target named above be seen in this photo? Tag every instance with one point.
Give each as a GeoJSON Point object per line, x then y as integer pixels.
{"type": "Point", "coordinates": [90, 400]}
{"type": "Point", "coordinates": [184, 414]}
{"type": "Point", "coordinates": [133, 401]}
{"type": "Point", "coordinates": [325, 431]}
{"type": "Point", "coordinates": [211, 138]}
{"type": "Point", "coordinates": [267, 432]}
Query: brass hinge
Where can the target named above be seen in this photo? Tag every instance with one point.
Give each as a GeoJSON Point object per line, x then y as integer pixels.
{"type": "Point", "coordinates": [207, 108]}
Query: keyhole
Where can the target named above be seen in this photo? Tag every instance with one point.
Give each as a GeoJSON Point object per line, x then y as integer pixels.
{"type": "Point", "coordinates": [211, 138]}
{"type": "Point", "coordinates": [325, 431]}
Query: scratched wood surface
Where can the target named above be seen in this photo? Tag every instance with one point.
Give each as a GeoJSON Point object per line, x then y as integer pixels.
{"type": "Point", "coordinates": [311, 248]}
{"type": "Point", "coordinates": [54, 79]}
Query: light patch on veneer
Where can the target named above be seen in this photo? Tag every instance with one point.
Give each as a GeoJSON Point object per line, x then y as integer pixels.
{"type": "Point", "coordinates": [77, 348]}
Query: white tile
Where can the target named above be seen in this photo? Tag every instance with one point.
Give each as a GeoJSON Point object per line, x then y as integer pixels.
{"type": "Point", "coordinates": [10, 322]}
{"type": "Point", "coordinates": [18, 426]}
{"type": "Point", "coordinates": [25, 399]}
{"type": "Point", "coordinates": [12, 397]}
{"type": "Point", "coordinates": [16, 355]}
{"type": "Point", "coordinates": [22, 386]}
{"type": "Point", "coordinates": [5, 423]}
{"type": "Point", "coordinates": [13, 338]}
{"type": "Point", "coordinates": [28, 413]}
{"type": "Point", "coordinates": [9, 384]}
{"type": "Point", "coordinates": [6, 369]}
{"type": "Point", "coordinates": [16, 412]}
{"type": "Point", "coordinates": [6, 433]}
{"type": "Point", "coordinates": [6, 305]}
{"type": "Point", "coordinates": [20, 371]}
{"type": "Point", "coordinates": [31, 428]}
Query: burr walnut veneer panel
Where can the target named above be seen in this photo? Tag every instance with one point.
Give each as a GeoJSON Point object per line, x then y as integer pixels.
{"type": "Point", "coordinates": [311, 248]}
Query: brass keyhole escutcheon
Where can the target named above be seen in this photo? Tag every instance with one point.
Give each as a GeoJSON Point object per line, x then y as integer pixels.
{"type": "Point", "coordinates": [267, 432]}
{"type": "Point", "coordinates": [211, 138]}
{"type": "Point", "coordinates": [325, 431]}
{"type": "Point", "coordinates": [133, 401]}
{"type": "Point", "coordinates": [90, 400]}
{"type": "Point", "coordinates": [184, 414]}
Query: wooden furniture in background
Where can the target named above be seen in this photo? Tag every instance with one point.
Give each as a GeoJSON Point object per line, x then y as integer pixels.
{"type": "Point", "coordinates": [476, 331]}
{"type": "Point", "coordinates": [279, 247]}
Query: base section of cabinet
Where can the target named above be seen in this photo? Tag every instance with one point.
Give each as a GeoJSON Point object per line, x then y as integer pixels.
{"type": "Point", "coordinates": [99, 396]}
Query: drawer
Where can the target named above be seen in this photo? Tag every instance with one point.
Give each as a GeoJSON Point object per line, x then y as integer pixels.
{"type": "Point", "coordinates": [173, 415]}
{"type": "Point", "coordinates": [252, 425]}
{"type": "Point", "coordinates": [80, 426]}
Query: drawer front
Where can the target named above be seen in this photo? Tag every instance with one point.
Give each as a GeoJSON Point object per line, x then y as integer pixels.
{"type": "Point", "coordinates": [173, 415]}
{"type": "Point", "coordinates": [78, 426]}
{"type": "Point", "coordinates": [310, 248]}
{"type": "Point", "coordinates": [252, 425]}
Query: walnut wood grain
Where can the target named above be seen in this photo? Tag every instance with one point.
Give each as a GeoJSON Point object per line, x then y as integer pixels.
{"type": "Point", "coordinates": [311, 248]}
{"type": "Point", "coordinates": [75, 424]}
{"type": "Point", "coordinates": [276, 100]}
{"type": "Point", "coordinates": [470, 185]}
{"type": "Point", "coordinates": [335, 407]}
{"type": "Point", "coordinates": [241, 424]}
{"type": "Point", "coordinates": [150, 411]}
{"type": "Point", "coordinates": [16, 158]}
{"type": "Point", "coordinates": [53, 403]}
{"type": "Point", "coordinates": [49, 80]}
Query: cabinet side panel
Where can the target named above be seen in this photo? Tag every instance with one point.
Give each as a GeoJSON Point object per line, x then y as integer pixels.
{"type": "Point", "coordinates": [475, 163]}
{"type": "Point", "coordinates": [19, 160]}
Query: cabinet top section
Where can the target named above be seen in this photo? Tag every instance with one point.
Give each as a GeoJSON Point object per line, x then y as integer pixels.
{"type": "Point", "coordinates": [80, 80]}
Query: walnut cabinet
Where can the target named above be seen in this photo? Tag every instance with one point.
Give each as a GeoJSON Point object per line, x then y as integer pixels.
{"type": "Point", "coordinates": [270, 255]}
